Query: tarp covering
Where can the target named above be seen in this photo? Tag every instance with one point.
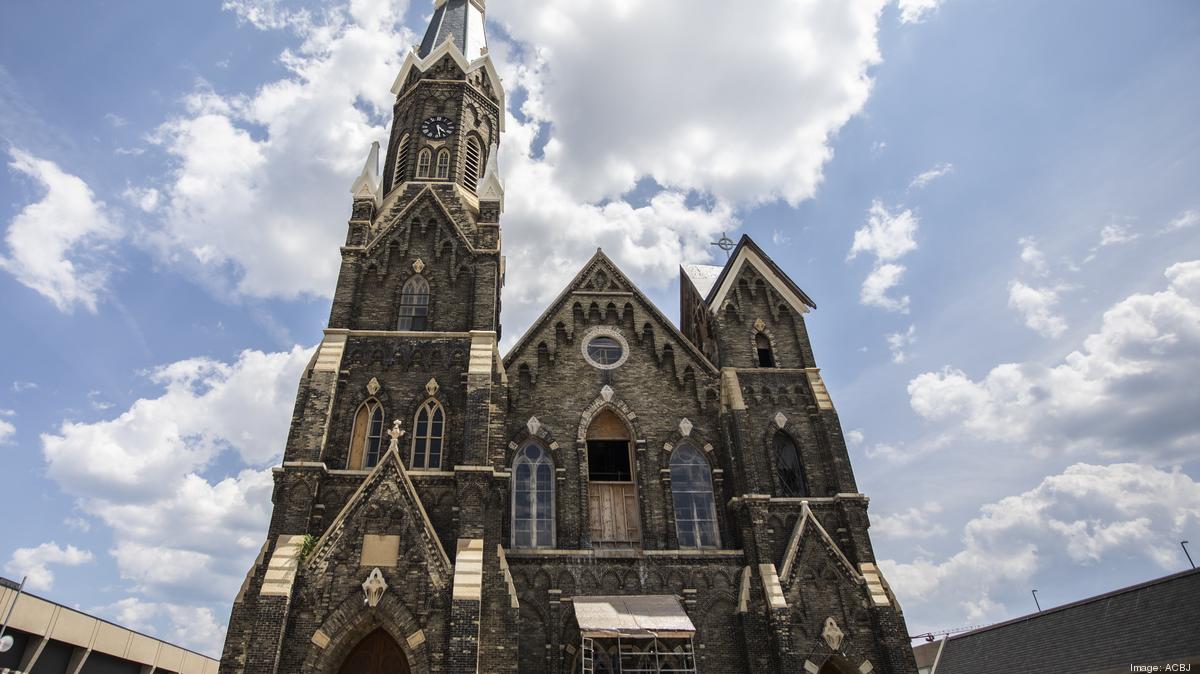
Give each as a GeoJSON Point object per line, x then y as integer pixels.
{"type": "Point", "coordinates": [632, 616]}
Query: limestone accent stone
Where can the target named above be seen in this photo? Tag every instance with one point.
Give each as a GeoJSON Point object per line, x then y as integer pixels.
{"type": "Point", "coordinates": [771, 587]}
{"type": "Point", "coordinates": [468, 569]}
{"type": "Point", "coordinates": [281, 569]}
{"type": "Point", "coordinates": [373, 386]}
{"type": "Point", "coordinates": [832, 634]}
{"type": "Point", "coordinates": [823, 400]}
{"type": "Point", "coordinates": [374, 587]}
{"type": "Point", "coordinates": [380, 550]}
{"type": "Point", "coordinates": [320, 639]}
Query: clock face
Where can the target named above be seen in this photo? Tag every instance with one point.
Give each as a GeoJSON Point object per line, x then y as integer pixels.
{"type": "Point", "coordinates": [438, 127]}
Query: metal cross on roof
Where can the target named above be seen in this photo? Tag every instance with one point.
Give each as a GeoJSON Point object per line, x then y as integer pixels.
{"type": "Point", "coordinates": [724, 243]}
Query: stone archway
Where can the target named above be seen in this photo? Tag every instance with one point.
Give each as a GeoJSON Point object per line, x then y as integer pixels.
{"type": "Point", "coordinates": [377, 653]}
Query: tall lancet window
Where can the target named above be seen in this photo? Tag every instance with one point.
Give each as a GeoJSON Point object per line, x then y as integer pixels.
{"type": "Point", "coordinates": [443, 164]}
{"type": "Point", "coordinates": [763, 346]}
{"type": "Point", "coordinates": [366, 442]}
{"type": "Point", "coordinates": [400, 171]}
{"type": "Point", "coordinates": [692, 491]}
{"type": "Point", "coordinates": [429, 430]}
{"type": "Point", "coordinates": [533, 499]}
{"type": "Point", "coordinates": [789, 466]}
{"type": "Point", "coordinates": [414, 305]}
{"type": "Point", "coordinates": [471, 164]}
{"type": "Point", "coordinates": [424, 161]}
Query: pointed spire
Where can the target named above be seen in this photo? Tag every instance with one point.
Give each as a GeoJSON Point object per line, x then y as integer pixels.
{"type": "Point", "coordinates": [490, 188]}
{"type": "Point", "coordinates": [367, 183]}
{"type": "Point", "coordinates": [460, 21]}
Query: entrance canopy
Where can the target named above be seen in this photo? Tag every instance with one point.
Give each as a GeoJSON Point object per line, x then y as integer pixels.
{"type": "Point", "coordinates": [634, 616]}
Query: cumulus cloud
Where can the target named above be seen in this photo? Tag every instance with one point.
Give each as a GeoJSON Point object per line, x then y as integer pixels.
{"type": "Point", "coordinates": [1086, 516]}
{"type": "Point", "coordinates": [35, 563]}
{"type": "Point", "coordinates": [923, 179]}
{"type": "Point", "coordinates": [194, 627]}
{"type": "Point", "coordinates": [1036, 306]}
{"type": "Point", "coordinates": [914, 523]}
{"type": "Point", "coordinates": [1032, 256]}
{"type": "Point", "coordinates": [898, 343]}
{"type": "Point", "coordinates": [56, 245]}
{"type": "Point", "coordinates": [886, 236]}
{"type": "Point", "coordinates": [1128, 390]}
{"type": "Point", "coordinates": [7, 430]}
{"type": "Point", "coordinates": [916, 11]}
{"type": "Point", "coordinates": [179, 535]}
{"type": "Point", "coordinates": [1116, 234]}
{"type": "Point", "coordinates": [1186, 219]}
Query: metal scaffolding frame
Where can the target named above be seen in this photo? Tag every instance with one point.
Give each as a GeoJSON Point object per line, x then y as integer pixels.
{"type": "Point", "coordinates": [638, 655]}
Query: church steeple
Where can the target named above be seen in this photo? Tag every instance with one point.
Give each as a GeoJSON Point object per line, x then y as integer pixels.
{"type": "Point", "coordinates": [460, 20]}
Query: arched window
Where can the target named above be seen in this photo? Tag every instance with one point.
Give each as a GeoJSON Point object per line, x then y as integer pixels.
{"type": "Point", "coordinates": [366, 442]}
{"type": "Point", "coordinates": [424, 159]}
{"type": "Point", "coordinates": [533, 499]}
{"type": "Point", "coordinates": [471, 164]}
{"type": "Point", "coordinates": [763, 346]}
{"type": "Point", "coordinates": [789, 467]}
{"type": "Point", "coordinates": [400, 171]}
{"type": "Point", "coordinates": [443, 165]}
{"type": "Point", "coordinates": [429, 429]}
{"type": "Point", "coordinates": [414, 305]}
{"type": "Point", "coordinates": [695, 508]}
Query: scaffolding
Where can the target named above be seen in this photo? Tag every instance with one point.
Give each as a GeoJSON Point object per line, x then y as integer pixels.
{"type": "Point", "coordinates": [637, 655]}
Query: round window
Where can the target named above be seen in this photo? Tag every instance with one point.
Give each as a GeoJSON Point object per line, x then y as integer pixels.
{"type": "Point", "coordinates": [605, 350]}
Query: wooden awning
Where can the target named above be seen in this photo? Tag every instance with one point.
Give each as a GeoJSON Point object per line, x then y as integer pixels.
{"type": "Point", "coordinates": [634, 616]}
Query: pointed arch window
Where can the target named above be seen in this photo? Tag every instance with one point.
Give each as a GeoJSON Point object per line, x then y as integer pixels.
{"type": "Point", "coordinates": [429, 432]}
{"type": "Point", "coordinates": [692, 491]}
{"type": "Point", "coordinates": [472, 163]}
{"type": "Point", "coordinates": [366, 441]}
{"type": "Point", "coordinates": [533, 498]}
{"type": "Point", "coordinates": [424, 161]}
{"type": "Point", "coordinates": [443, 164]}
{"type": "Point", "coordinates": [400, 171]}
{"type": "Point", "coordinates": [414, 305]}
{"type": "Point", "coordinates": [789, 467]}
{"type": "Point", "coordinates": [762, 345]}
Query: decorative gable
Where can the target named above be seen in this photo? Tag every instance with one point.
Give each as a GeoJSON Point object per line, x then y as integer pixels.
{"type": "Point", "coordinates": [748, 256]}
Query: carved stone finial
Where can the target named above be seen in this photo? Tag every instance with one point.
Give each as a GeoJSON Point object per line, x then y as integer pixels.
{"type": "Point", "coordinates": [395, 434]}
{"type": "Point", "coordinates": [607, 393]}
{"type": "Point", "coordinates": [533, 425]}
{"type": "Point", "coordinates": [418, 265]}
{"type": "Point", "coordinates": [760, 324]}
{"type": "Point", "coordinates": [780, 419]}
{"type": "Point", "coordinates": [373, 386]}
{"type": "Point", "coordinates": [431, 387]}
{"type": "Point", "coordinates": [685, 426]}
{"type": "Point", "coordinates": [374, 586]}
{"type": "Point", "coordinates": [832, 634]}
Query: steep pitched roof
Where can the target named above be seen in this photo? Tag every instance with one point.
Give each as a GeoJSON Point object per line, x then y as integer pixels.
{"type": "Point", "coordinates": [461, 20]}
{"type": "Point", "coordinates": [601, 259]}
{"type": "Point", "coordinates": [809, 521]}
{"type": "Point", "coordinates": [748, 252]}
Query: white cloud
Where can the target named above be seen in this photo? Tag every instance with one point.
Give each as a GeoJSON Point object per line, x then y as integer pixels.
{"type": "Point", "coordinates": [1032, 256]}
{"type": "Point", "coordinates": [923, 179]}
{"type": "Point", "coordinates": [36, 562]}
{"type": "Point", "coordinates": [877, 284]}
{"type": "Point", "coordinates": [141, 473]}
{"type": "Point", "coordinates": [1036, 306]}
{"type": "Point", "coordinates": [144, 198]}
{"type": "Point", "coordinates": [7, 431]}
{"type": "Point", "coordinates": [855, 437]}
{"type": "Point", "coordinates": [22, 386]}
{"type": "Point", "coordinates": [116, 120]}
{"type": "Point", "coordinates": [1128, 391]}
{"type": "Point", "coordinates": [1186, 219]}
{"type": "Point", "coordinates": [887, 236]}
{"type": "Point", "coordinates": [1085, 516]}
{"type": "Point", "coordinates": [190, 626]}
{"type": "Point", "coordinates": [916, 11]}
{"type": "Point", "coordinates": [914, 523]}
{"type": "Point", "coordinates": [1116, 234]}
{"type": "Point", "coordinates": [56, 245]}
{"type": "Point", "coordinates": [898, 343]}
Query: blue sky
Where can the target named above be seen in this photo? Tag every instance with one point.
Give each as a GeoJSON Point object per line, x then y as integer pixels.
{"type": "Point", "coordinates": [993, 204]}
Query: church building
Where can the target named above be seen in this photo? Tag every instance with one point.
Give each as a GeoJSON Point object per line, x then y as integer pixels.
{"type": "Point", "coordinates": [613, 494]}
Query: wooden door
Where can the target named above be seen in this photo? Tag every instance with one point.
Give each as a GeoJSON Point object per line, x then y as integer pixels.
{"type": "Point", "coordinates": [613, 512]}
{"type": "Point", "coordinates": [377, 653]}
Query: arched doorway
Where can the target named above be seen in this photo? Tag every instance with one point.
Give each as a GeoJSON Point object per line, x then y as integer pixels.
{"type": "Point", "coordinates": [612, 489]}
{"type": "Point", "coordinates": [377, 653]}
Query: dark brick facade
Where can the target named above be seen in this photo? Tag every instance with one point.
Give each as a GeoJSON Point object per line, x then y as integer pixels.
{"type": "Point", "coordinates": [460, 596]}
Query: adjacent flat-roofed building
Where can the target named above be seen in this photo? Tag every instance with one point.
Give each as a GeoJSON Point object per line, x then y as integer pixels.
{"type": "Point", "coordinates": [1136, 628]}
{"type": "Point", "coordinates": [50, 638]}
